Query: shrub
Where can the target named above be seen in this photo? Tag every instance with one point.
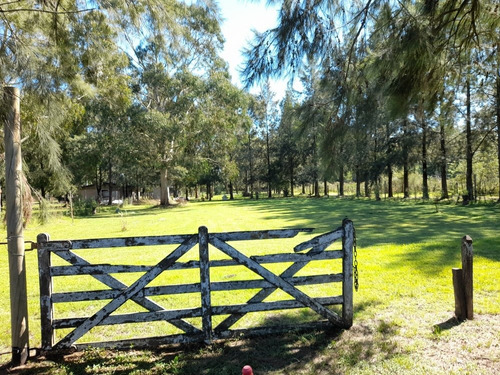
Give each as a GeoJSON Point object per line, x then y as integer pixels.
{"type": "Point", "coordinates": [85, 207]}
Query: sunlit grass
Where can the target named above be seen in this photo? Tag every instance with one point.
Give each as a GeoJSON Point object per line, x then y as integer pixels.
{"type": "Point", "coordinates": [406, 250]}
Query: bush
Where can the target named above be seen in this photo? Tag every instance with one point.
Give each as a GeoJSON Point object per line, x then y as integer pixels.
{"type": "Point", "coordinates": [85, 207]}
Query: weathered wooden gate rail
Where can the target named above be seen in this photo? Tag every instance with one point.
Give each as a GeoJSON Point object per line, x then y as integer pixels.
{"type": "Point", "coordinates": [139, 292]}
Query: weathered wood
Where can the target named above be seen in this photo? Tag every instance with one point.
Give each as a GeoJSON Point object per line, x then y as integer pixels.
{"type": "Point", "coordinates": [459, 292]}
{"type": "Point", "coordinates": [218, 286]}
{"type": "Point", "coordinates": [96, 269]}
{"type": "Point", "coordinates": [100, 269]}
{"type": "Point", "coordinates": [347, 285]}
{"type": "Point", "coordinates": [206, 304]}
{"type": "Point", "coordinates": [45, 281]}
{"type": "Point", "coordinates": [149, 342]}
{"type": "Point", "coordinates": [195, 312]}
{"type": "Point", "coordinates": [138, 292]}
{"type": "Point", "coordinates": [258, 234]}
{"type": "Point", "coordinates": [320, 242]}
{"type": "Point", "coordinates": [189, 339]}
{"type": "Point", "coordinates": [264, 293]}
{"type": "Point", "coordinates": [14, 218]}
{"type": "Point", "coordinates": [95, 319]}
{"type": "Point", "coordinates": [119, 286]}
{"type": "Point", "coordinates": [277, 281]}
{"type": "Point", "coordinates": [467, 254]}
{"type": "Point", "coordinates": [130, 241]}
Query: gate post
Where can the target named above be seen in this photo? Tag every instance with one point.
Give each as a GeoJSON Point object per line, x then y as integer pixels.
{"type": "Point", "coordinates": [206, 303]}
{"type": "Point", "coordinates": [347, 247]}
{"type": "Point", "coordinates": [11, 116]}
{"type": "Point", "coordinates": [45, 281]}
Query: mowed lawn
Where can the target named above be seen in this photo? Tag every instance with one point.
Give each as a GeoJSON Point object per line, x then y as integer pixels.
{"type": "Point", "coordinates": [403, 309]}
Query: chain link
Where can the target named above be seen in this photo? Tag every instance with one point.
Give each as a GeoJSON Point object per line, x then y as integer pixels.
{"type": "Point", "coordinates": [355, 263]}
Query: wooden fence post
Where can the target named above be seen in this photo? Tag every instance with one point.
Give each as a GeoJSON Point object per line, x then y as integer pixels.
{"type": "Point", "coordinates": [15, 239]}
{"type": "Point", "coordinates": [206, 303]}
{"type": "Point", "coordinates": [347, 247]}
{"type": "Point", "coordinates": [458, 289]}
{"type": "Point", "coordinates": [45, 280]}
{"type": "Point", "coordinates": [467, 253]}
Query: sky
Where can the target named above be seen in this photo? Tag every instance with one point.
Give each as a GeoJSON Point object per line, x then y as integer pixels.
{"type": "Point", "coordinates": [240, 18]}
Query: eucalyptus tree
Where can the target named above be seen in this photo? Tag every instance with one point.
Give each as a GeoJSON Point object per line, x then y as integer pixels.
{"type": "Point", "coordinates": [221, 117]}
{"type": "Point", "coordinates": [172, 47]}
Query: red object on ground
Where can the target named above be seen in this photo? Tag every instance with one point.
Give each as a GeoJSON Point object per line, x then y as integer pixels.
{"type": "Point", "coordinates": [247, 370]}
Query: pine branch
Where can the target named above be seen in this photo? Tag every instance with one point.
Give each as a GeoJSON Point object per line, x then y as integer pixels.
{"type": "Point", "coordinates": [46, 11]}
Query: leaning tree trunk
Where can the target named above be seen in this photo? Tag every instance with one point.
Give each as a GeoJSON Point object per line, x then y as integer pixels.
{"type": "Point", "coordinates": [468, 153]}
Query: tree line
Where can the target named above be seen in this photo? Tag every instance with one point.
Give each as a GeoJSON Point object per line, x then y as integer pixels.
{"type": "Point", "coordinates": [134, 94]}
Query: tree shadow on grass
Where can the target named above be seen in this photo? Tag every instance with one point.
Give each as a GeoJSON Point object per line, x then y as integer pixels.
{"type": "Point", "coordinates": [395, 222]}
{"type": "Point", "coordinates": [289, 352]}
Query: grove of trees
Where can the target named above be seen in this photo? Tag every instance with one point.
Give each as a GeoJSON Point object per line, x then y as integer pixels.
{"type": "Point", "coordinates": [133, 94]}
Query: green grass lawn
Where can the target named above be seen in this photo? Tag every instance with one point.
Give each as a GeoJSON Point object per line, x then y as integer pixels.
{"type": "Point", "coordinates": [403, 310]}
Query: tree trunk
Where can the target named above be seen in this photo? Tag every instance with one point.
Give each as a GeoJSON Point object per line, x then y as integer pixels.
{"type": "Point", "coordinates": [341, 181]}
{"type": "Point", "coordinates": [390, 175]}
{"type": "Point", "coordinates": [358, 182]}
{"type": "Point", "coordinates": [292, 179]}
{"type": "Point", "coordinates": [406, 185]}
{"type": "Point", "coordinates": [14, 181]}
{"type": "Point", "coordinates": [164, 191]}
{"type": "Point", "coordinates": [325, 187]}
{"type": "Point", "coordinates": [498, 115]}
{"type": "Point", "coordinates": [425, 183]}
{"type": "Point", "coordinates": [268, 158]}
{"type": "Point", "coordinates": [251, 165]}
{"type": "Point", "coordinates": [468, 153]}
{"type": "Point", "coordinates": [110, 186]}
{"type": "Point", "coordinates": [231, 193]}
{"type": "Point", "coordinates": [316, 188]}
{"type": "Point", "coordinates": [389, 166]}
{"type": "Point", "coordinates": [444, 180]}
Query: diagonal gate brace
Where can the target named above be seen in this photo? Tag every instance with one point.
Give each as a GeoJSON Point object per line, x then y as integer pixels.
{"type": "Point", "coordinates": [128, 293]}
{"type": "Point", "coordinates": [113, 283]}
{"type": "Point", "coordinates": [317, 247]}
{"type": "Point", "coordinates": [277, 281]}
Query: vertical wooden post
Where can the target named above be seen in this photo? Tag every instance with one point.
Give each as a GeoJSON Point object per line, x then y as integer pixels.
{"type": "Point", "coordinates": [46, 309]}
{"type": "Point", "coordinates": [458, 289]}
{"type": "Point", "coordinates": [206, 303]}
{"type": "Point", "coordinates": [347, 292]}
{"type": "Point", "coordinates": [467, 253]}
{"type": "Point", "coordinates": [15, 239]}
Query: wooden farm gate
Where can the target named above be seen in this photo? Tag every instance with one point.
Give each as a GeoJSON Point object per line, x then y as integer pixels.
{"type": "Point", "coordinates": [118, 292]}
